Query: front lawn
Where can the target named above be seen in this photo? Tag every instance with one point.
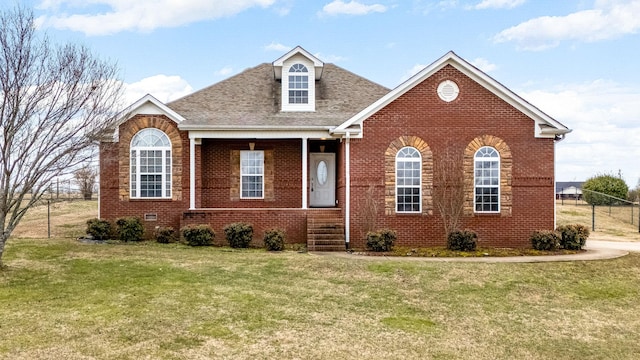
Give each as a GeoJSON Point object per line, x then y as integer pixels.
{"type": "Point", "coordinates": [63, 299]}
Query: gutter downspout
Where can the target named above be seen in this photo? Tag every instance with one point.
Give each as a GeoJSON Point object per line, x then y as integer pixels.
{"type": "Point", "coordinates": [305, 165]}
{"type": "Point", "coordinates": [556, 140]}
{"type": "Point", "coordinates": [347, 191]}
{"type": "Point", "coordinates": [192, 173]}
{"type": "Point", "coordinates": [100, 183]}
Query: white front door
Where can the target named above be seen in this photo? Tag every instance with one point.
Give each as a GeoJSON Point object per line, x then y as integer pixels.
{"type": "Point", "coordinates": [322, 173]}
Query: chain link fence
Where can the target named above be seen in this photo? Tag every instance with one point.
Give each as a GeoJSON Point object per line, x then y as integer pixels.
{"type": "Point", "coordinates": [608, 206]}
{"type": "Point", "coordinates": [66, 189]}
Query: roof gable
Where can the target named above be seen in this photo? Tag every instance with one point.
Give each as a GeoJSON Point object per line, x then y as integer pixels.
{"type": "Point", "coordinates": [145, 105]}
{"type": "Point", "coordinates": [546, 126]}
{"type": "Point", "coordinates": [297, 52]}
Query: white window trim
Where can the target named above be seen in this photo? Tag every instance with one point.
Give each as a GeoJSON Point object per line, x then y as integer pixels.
{"type": "Point", "coordinates": [486, 186]}
{"type": "Point", "coordinates": [419, 161]}
{"type": "Point", "coordinates": [242, 152]}
{"type": "Point", "coordinates": [304, 77]}
{"type": "Point", "coordinates": [166, 176]}
{"type": "Point", "coordinates": [311, 90]}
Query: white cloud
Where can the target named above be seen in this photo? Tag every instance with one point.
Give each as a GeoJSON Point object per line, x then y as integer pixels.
{"type": "Point", "coordinates": [330, 58]}
{"type": "Point", "coordinates": [604, 117]}
{"type": "Point", "coordinates": [225, 71]}
{"type": "Point", "coordinates": [608, 19]}
{"type": "Point", "coordinates": [140, 15]}
{"type": "Point", "coordinates": [163, 87]}
{"type": "Point", "coordinates": [339, 7]}
{"type": "Point", "coordinates": [426, 7]}
{"type": "Point", "coordinates": [277, 47]}
{"type": "Point", "coordinates": [414, 70]}
{"type": "Point", "coordinates": [498, 4]}
{"type": "Point", "coordinates": [484, 65]}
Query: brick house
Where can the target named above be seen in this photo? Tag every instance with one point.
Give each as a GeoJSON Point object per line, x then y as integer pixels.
{"type": "Point", "coordinates": [327, 155]}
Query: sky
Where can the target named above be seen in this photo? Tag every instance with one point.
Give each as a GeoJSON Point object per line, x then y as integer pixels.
{"type": "Point", "coordinates": [576, 60]}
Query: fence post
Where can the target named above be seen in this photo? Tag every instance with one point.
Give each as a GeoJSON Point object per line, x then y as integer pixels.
{"type": "Point", "coordinates": [593, 217]}
{"type": "Point", "coordinates": [48, 219]}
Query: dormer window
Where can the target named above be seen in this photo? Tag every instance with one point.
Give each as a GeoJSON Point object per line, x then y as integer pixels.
{"type": "Point", "coordinates": [298, 84]}
{"type": "Point", "coordinates": [298, 72]}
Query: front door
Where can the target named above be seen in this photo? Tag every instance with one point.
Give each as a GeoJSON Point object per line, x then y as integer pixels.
{"type": "Point", "coordinates": [323, 179]}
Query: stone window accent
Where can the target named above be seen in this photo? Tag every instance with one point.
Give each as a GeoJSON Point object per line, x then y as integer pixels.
{"type": "Point", "coordinates": [251, 174]}
{"type": "Point", "coordinates": [127, 131]}
{"type": "Point", "coordinates": [390, 173]}
{"type": "Point", "coordinates": [269, 176]}
{"type": "Point", "coordinates": [506, 170]}
{"type": "Point", "coordinates": [150, 164]}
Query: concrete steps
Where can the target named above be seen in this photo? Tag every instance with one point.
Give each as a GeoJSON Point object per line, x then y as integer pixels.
{"type": "Point", "coordinates": [325, 231]}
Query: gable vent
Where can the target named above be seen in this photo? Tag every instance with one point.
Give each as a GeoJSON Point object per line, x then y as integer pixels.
{"type": "Point", "coordinates": [448, 90]}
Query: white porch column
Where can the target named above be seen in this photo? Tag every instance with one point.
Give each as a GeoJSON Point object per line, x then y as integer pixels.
{"type": "Point", "coordinates": [347, 190]}
{"type": "Point", "coordinates": [192, 173]}
{"type": "Point", "coordinates": [305, 156]}
{"type": "Point", "coordinates": [555, 203]}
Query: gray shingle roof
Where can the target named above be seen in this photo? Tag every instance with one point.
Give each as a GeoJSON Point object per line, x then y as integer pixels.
{"type": "Point", "coordinates": [252, 99]}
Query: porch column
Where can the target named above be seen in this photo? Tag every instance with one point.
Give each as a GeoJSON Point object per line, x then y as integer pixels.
{"type": "Point", "coordinates": [347, 190]}
{"type": "Point", "coordinates": [192, 173]}
{"type": "Point", "coordinates": [305, 156]}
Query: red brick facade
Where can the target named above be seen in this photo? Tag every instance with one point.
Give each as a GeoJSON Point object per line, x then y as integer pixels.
{"type": "Point", "coordinates": [114, 175]}
{"type": "Point", "coordinates": [476, 113]}
{"type": "Point", "coordinates": [417, 118]}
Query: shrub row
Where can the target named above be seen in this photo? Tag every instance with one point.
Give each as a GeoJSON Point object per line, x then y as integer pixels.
{"type": "Point", "coordinates": [569, 237]}
{"type": "Point", "coordinates": [462, 240]}
{"type": "Point", "coordinates": [381, 240]}
{"type": "Point", "coordinates": [239, 235]}
{"type": "Point", "coordinates": [126, 229]}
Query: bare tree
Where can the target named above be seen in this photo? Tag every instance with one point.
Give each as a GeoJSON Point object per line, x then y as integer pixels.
{"type": "Point", "coordinates": [55, 99]}
{"type": "Point", "coordinates": [369, 209]}
{"type": "Point", "coordinates": [448, 190]}
{"type": "Point", "coordinates": [86, 179]}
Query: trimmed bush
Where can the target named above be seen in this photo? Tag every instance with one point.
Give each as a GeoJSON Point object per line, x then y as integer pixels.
{"type": "Point", "coordinates": [166, 235]}
{"type": "Point", "coordinates": [573, 237]}
{"type": "Point", "coordinates": [547, 240]}
{"type": "Point", "coordinates": [130, 229]}
{"type": "Point", "coordinates": [274, 239]}
{"type": "Point", "coordinates": [99, 229]}
{"type": "Point", "coordinates": [239, 234]}
{"type": "Point", "coordinates": [462, 240]}
{"type": "Point", "coordinates": [198, 235]}
{"type": "Point", "coordinates": [381, 240]}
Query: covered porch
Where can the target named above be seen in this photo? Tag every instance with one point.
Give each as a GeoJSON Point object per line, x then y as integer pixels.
{"type": "Point", "coordinates": [296, 184]}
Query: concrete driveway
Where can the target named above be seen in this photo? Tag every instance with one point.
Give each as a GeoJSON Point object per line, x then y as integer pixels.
{"type": "Point", "coordinates": [615, 245]}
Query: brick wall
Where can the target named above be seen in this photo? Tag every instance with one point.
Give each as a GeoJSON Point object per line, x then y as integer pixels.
{"type": "Point", "coordinates": [217, 183]}
{"type": "Point", "coordinates": [418, 118]}
{"type": "Point", "coordinates": [114, 175]}
{"type": "Point", "coordinates": [221, 174]}
{"type": "Point", "coordinates": [475, 118]}
{"type": "Point", "coordinates": [292, 221]}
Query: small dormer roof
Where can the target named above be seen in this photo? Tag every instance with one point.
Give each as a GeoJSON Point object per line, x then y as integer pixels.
{"type": "Point", "coordinates": [298, 50]}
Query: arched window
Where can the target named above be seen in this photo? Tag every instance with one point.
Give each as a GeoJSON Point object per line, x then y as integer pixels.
{"type": "Point", "coordinates": [298, 84]}
{"type": "Point", "coordinates": [150, 164]}
{"type": "Point", "coordinates": [408, 180]}
{"type": "Point", "coordinates": [486, 180]}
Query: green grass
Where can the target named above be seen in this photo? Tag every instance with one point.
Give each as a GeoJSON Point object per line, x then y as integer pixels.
{"type": "Point", "coordinates": [64, 299]}
{"type": "Point", "coordinates": [614, 226]}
